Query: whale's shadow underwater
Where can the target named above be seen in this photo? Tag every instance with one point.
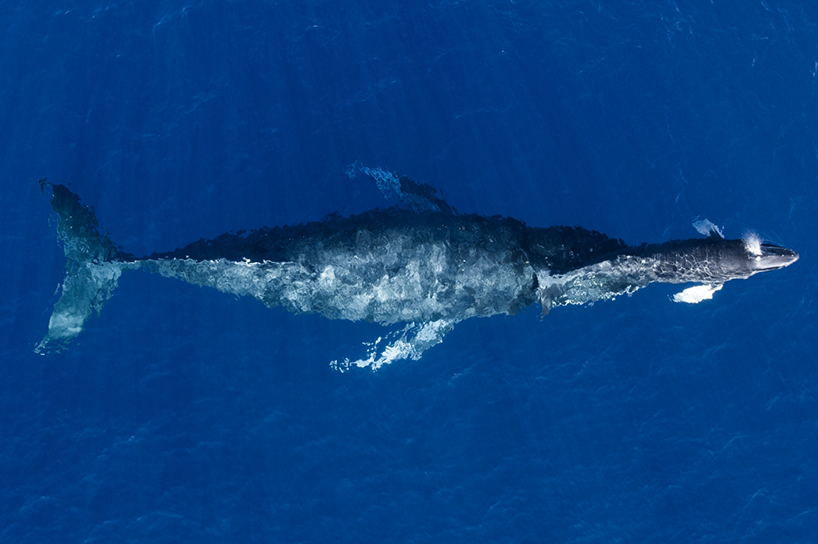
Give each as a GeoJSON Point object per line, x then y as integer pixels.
{"type": "Point", "coordinates": [420, 263]}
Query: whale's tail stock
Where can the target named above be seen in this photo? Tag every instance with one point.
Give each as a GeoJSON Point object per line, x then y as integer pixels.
{"type": "Point", "coordinates": [91, 269]}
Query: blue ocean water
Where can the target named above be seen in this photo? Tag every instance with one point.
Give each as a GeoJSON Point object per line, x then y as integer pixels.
{"type": "Point", "coordinates": [186, 415]}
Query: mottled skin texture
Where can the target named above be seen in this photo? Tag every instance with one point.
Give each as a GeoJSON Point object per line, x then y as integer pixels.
{"type": "Point", "coordinates": [396, 265]}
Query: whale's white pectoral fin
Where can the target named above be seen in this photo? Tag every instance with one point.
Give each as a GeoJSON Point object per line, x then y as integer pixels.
{"type": "Point", "coordinates": [697, 293]}
{"type": "Point", "coordinates": [709, 229]}
{"type": "Point", "coordinates": [407, 343]}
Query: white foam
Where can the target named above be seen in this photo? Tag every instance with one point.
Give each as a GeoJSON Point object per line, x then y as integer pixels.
{"type": "Point", "coordinates": [411, 342]}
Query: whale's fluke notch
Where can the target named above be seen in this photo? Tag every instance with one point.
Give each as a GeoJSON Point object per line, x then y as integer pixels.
{"type": "Point", "coordinates": [421, 266]}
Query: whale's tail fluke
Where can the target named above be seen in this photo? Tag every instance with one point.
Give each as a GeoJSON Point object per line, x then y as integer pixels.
{"type": "Point", "coordinates": [91, 269]}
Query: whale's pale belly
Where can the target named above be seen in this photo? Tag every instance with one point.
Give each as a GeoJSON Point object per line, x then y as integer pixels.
{"type": "Point", "coordinates": [389, 283]}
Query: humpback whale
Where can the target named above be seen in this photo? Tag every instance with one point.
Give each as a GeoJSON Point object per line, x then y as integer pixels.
{"type": "Point", "coordinates": [419, 264]}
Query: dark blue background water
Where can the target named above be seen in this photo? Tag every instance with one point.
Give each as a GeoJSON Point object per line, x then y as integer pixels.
{"type": "Point", "coordinates": [186, 415]}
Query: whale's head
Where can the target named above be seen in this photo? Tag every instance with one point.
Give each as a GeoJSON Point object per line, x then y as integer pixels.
{"type": "Point", "coordinates": [745, 257]}
{"type": "Point", "coordinates": [715, 260]}
{"type": "Point", "coordinates": [765, 257]}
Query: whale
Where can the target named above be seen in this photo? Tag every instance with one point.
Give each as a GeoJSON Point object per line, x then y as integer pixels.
{"type": "Point", "coordinates": [418, 267]}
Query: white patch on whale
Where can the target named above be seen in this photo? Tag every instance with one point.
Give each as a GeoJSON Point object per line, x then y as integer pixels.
{"type": "Point", "coordinates": [696, 294]}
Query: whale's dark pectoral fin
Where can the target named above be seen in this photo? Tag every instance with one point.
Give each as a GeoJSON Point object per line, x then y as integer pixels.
{"type": "Point", "coordinates": [419, 197]}
{"type": "Point", "coordinates": [407, 343]}
{"type": "Point", "coordinates": [91, 273]}
{"type": "Point", "coordinates": [422, 196]}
